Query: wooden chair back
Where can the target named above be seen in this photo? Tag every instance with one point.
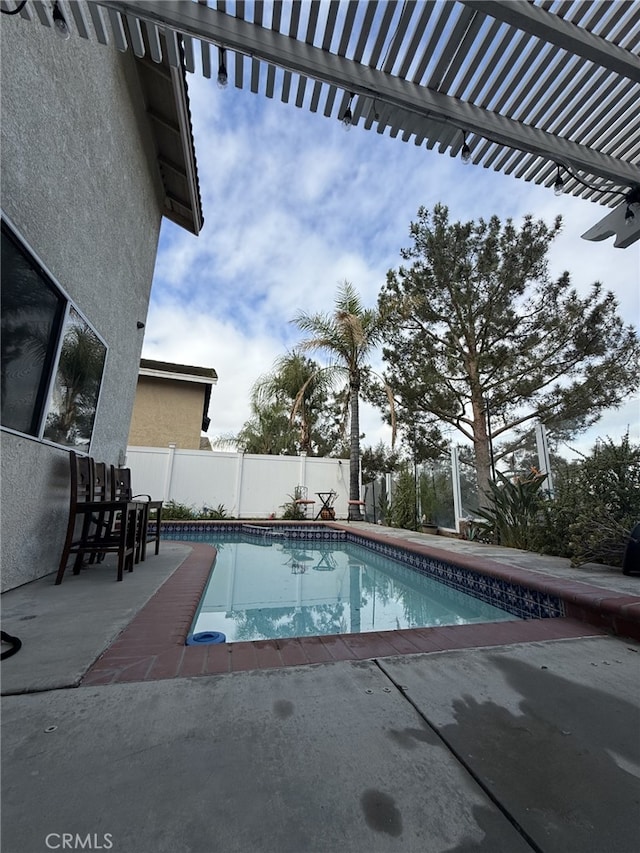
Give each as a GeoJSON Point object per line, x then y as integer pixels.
{"type": "Point", "coordinates": [120, 484]}
{"type": "Point", "coordinates": [82, 478]}
{"type": "Point", "coordinates": [101, 481]}
{"type": "Point", "coordinates": [91, 528]}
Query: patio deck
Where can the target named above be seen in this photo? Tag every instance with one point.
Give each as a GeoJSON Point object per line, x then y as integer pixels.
{"type": "Point", "coordinates": [477, 742]}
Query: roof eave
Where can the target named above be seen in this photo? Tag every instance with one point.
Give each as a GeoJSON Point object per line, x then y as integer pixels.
{"type": "Point", "coordinates": [181, 97]}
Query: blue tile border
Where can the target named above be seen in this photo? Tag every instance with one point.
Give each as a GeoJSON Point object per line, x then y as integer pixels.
{"type": "Point", "coordinates": [518, 600]}
{"type": "Point", "coordinates": [521, 601]}
{"type": "Point", "coordinates": [317, 534]}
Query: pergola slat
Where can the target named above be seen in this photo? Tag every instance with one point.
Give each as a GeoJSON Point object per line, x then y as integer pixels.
{"type": "Point", "coordinates": [531, 83]}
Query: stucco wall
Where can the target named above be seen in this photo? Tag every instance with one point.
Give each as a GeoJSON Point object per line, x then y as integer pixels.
{"type": "Point", "coordinates": [80, 183]}
{"type": "Point", "coordinates": [167, 411]}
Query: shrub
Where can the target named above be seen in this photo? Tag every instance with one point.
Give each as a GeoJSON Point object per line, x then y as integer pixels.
{"type": "Point", "coordinates": [403, 503]}
{"type": "Point", "coordinates": [384, 507]}
{"type": "Point", "coordinates": [604, 504]}
{"type": "Point", "coordinates": [595, 506]}
{"type": "Point", "coordinates": [213, 514]}
{"type": "Point", "coordinates": [551, 535]}
{"type": "Point", "coordinates": [176, 511]}
{"type": "Point", "coordinates": [514, 512]}
{"type": "Point", "coordinates": [291, 510]}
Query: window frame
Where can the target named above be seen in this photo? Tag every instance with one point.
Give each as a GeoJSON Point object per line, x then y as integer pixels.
{"type": "Point", "coordinates": [43, 402]}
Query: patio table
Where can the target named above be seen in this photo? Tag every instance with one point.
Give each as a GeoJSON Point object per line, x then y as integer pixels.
{"type": "Point", "coordinates": [327, 500]}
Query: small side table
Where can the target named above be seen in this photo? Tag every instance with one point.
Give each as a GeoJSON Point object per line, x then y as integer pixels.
{"type": "Point", "coordinates": [327, 512]}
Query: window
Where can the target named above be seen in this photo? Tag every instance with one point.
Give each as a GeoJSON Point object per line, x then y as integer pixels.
{"type": "Point", "coordinates": [52, 360]}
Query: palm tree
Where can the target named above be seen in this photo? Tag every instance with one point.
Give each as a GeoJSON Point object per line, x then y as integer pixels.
{"type": "Point", "coordinates": [290, 373]}
{"type": "Point", "coordinates": [268, 431]}
{"type": "Point", "coordinates": [348, 335]}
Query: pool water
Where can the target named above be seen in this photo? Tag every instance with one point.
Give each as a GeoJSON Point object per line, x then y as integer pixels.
{"type": "Point", "coordinates": [276, 588]}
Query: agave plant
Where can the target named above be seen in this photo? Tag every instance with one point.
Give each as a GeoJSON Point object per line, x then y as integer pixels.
{"type": "Point", "coordinates": [514, 509]}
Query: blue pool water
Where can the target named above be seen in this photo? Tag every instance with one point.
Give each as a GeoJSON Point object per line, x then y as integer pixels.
{"type": "Point", "coordinates": [266, 587]}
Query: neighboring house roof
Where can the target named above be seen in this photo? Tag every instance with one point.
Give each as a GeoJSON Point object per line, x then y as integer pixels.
{"type": "Point", "coordinates": [206, 376]}
{"type": "Point", "coordinates": [183, 372]}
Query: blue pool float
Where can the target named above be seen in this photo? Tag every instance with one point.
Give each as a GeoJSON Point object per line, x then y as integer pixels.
{"type": "Point", "coordinates": [205, 637]}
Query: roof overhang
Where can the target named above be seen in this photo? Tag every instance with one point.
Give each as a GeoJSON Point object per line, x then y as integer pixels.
{"type": "Point", "coordinates": [178, 372]}
{"type": "Point", "coordinates": [160, 64]}
{"type": "Point", "coordinates": [164, 89]}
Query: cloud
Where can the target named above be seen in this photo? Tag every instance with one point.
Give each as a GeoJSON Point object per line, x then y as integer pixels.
{"type": "Point", "coordinates": [185, 335]}
{"type": "Point", "coordinates": [293, 206]}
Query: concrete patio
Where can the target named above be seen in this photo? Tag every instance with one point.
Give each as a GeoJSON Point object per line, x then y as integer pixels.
{"type": "Point", "coordinates": [515, 747]}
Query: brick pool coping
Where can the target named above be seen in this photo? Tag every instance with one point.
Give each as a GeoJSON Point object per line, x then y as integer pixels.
{"type": "Point", "coordinates": [152, 646]}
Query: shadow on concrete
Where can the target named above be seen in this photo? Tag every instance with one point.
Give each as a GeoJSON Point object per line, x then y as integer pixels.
{"type": "Point", "coordinates": [566, 767]}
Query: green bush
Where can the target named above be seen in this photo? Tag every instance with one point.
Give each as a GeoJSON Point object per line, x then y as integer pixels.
{"type": "Point", "coordinates": [598, 503]}
{"type": "Point", "coordinates": [384, 507]}
{"type": "Point", "coordinates": [403, 503]}
{"type": "Point", "coordinates": [514, 513]}
{"type": "Point", "coordinates": [551, 535]}
{"type": "Point", "coordinates": [213, 514]}
{"type": "Point", "coordinates": [291, 510]}
{"type": "Point", "coordinates": [176, 511]}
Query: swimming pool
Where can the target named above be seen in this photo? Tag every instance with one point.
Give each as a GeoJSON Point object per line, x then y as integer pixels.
{"type": "Point", "coordinates": [276, 582]}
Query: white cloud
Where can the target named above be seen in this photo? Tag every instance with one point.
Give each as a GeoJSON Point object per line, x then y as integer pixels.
{"type": "Point", "coordinates": [187, 336]}
{"type": "Point", "coordinates": [293, 206]}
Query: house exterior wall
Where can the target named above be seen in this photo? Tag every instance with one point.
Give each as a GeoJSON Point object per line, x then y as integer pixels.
{"type": "Point", "coordinates": [167, 411]}
{"type": "Point", "coordinates": [80, 183]}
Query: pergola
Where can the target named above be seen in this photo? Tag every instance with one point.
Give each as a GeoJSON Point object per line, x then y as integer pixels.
{"type": "Point", "coordinates": [546, 91]}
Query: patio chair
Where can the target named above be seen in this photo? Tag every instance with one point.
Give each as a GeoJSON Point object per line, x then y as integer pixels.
{"type": "Point", "coordinates": [302, 500]}
{"type": "Point", "coordinates": [101, 491]}
{"type": "Point", "coordinates": [96, 527]}
{"type": "Point", "coordinates": [357, 509]}
{"type": "Point", "coordinates": [148, 524]}
{"type": "Point", "coordinates": [111, 483]}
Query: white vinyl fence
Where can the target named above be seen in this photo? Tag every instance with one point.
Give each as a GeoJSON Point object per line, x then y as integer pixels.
{"type": "Point", "coordinates": [252, 486]}
{"type": "Point", "coordinates": [247, 485]}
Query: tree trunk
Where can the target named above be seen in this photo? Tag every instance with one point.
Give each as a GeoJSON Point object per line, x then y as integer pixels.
{"type": "Point", "coordinates": [354, 448]}
{"type": "Point", "coordinates": [481, 450]}
{"type": "Point", "coordinates": [305, 435]}
{"type": "Point", "coordinates": [480, 435]}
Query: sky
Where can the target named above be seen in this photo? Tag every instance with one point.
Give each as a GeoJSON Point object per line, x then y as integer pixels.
{"type": "Point", "coordinates": [294, 205]}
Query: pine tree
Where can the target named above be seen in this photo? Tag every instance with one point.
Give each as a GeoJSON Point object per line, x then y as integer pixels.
{"type": "Point", "coordinates": [476, 321]}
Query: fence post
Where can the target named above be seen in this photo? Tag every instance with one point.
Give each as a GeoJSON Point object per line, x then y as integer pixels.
{"type": "Point", "coordinates": [389, 486]}
{"type": "Point", "coordinates": [168, 475]}
{"type": "Point", "coordinates": [373, 492]}
{"type": "Point", "coordinates": [455, 482]}
{"type": "Point", "coordinates": [239, 474]}
{"type": "Point", "coordinates": [544, 463]}
{"type": "Point", "coordinates": [303, 469]}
